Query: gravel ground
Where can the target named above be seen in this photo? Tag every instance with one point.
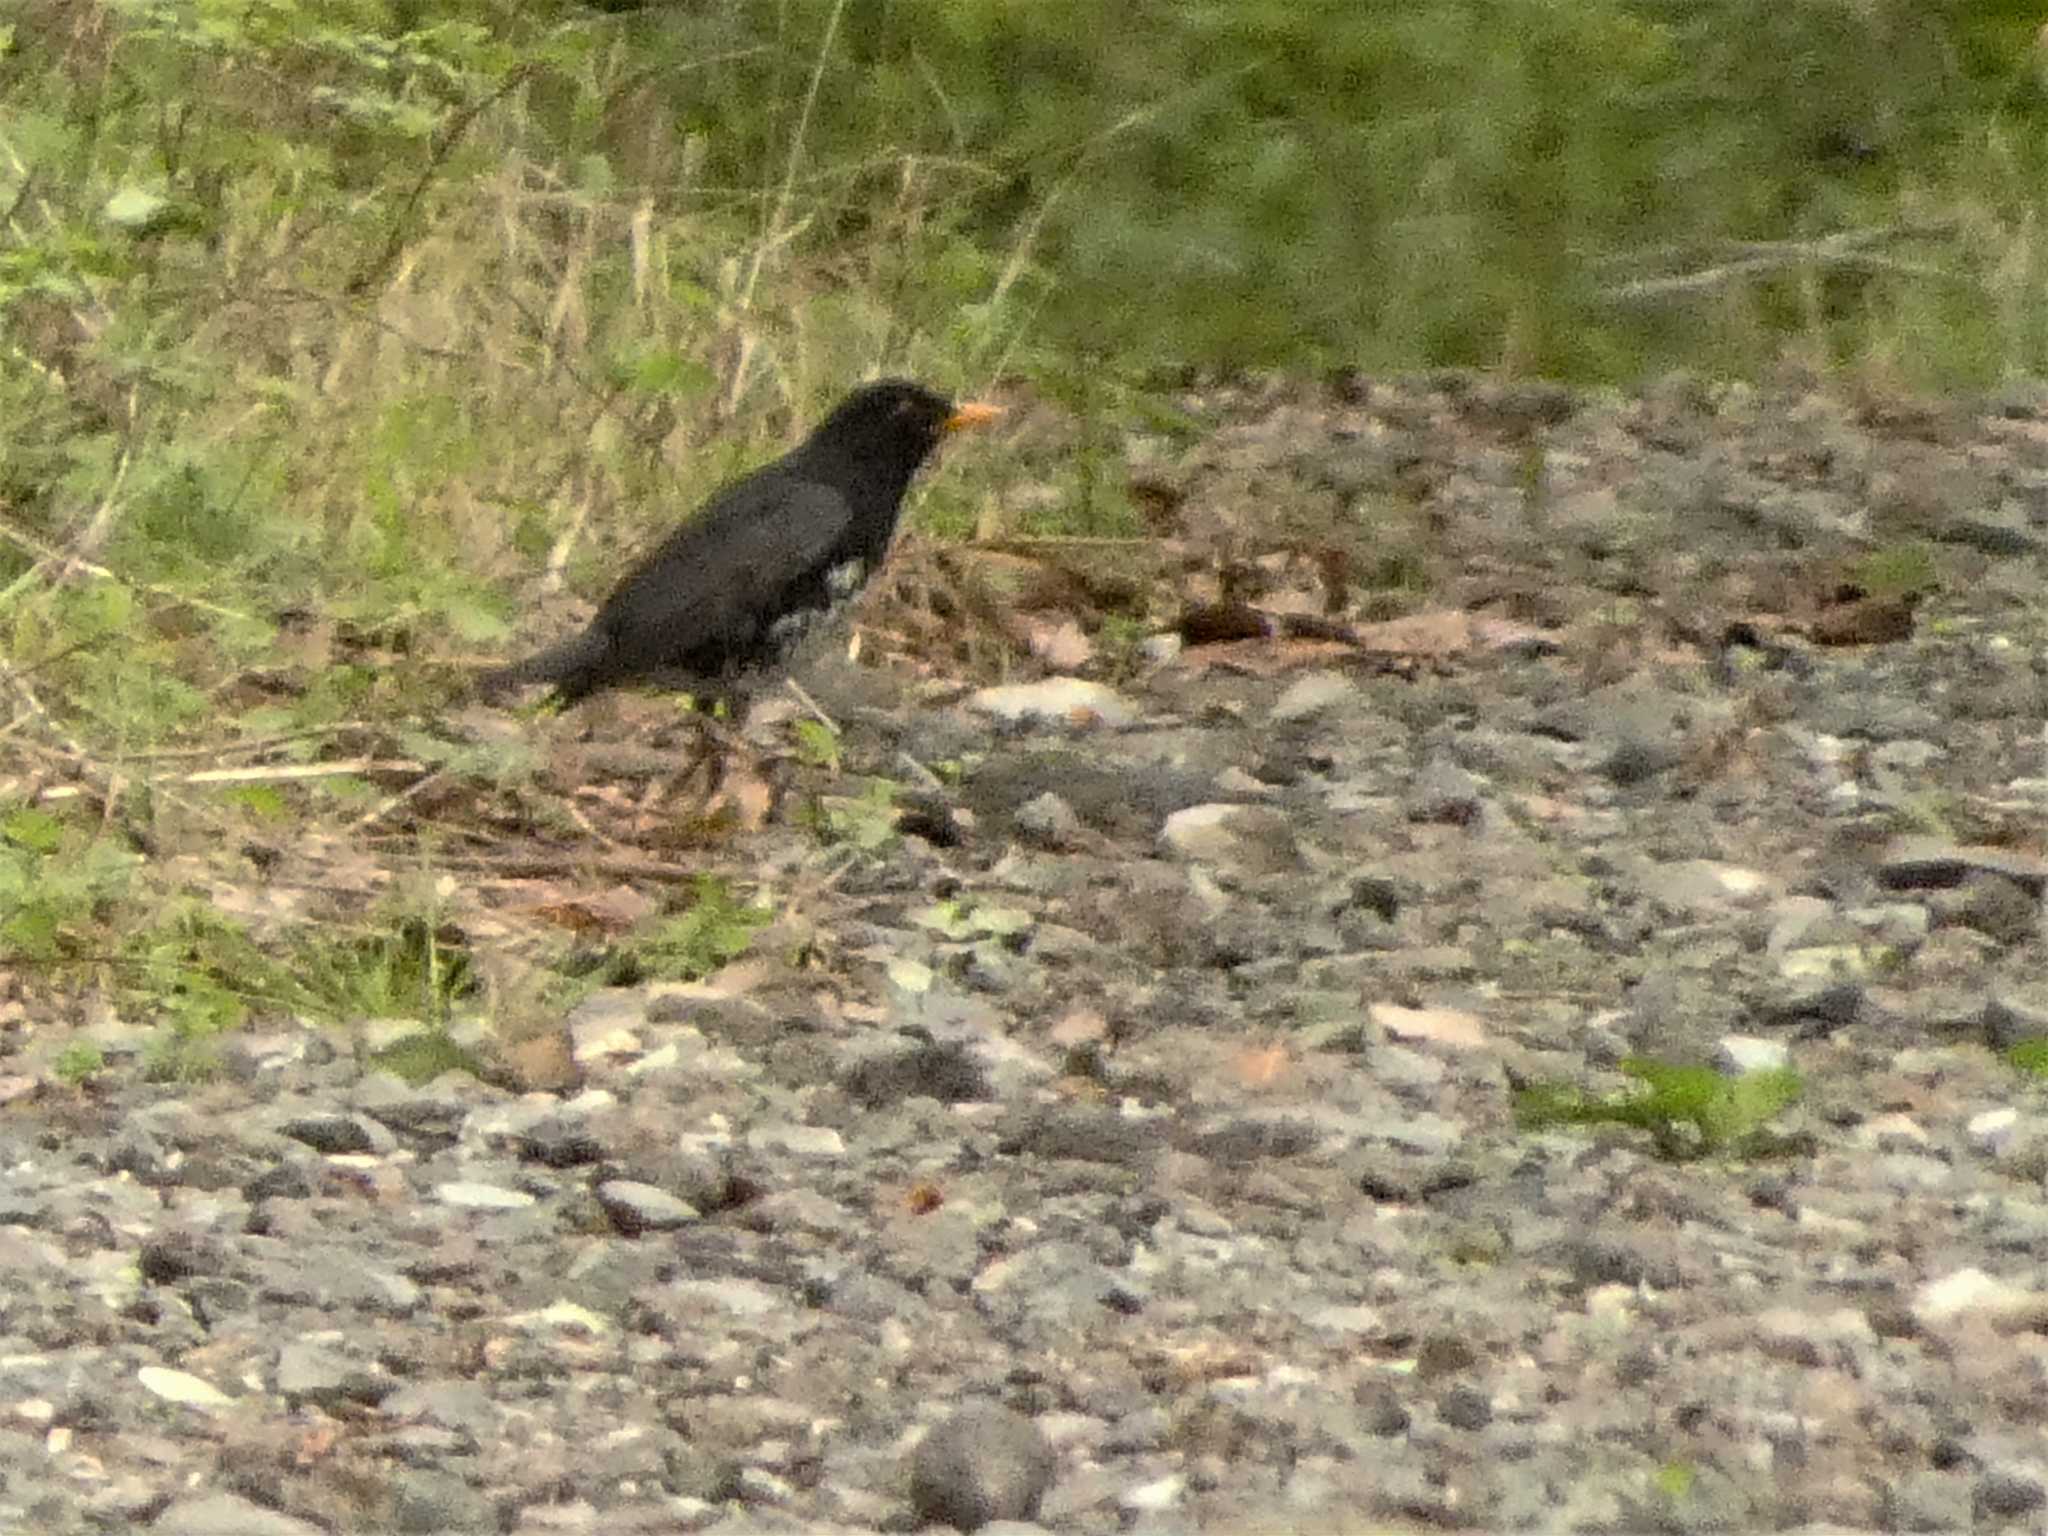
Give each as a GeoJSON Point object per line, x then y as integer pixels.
{"type": "Point", "coordinates": [1141, 1154]}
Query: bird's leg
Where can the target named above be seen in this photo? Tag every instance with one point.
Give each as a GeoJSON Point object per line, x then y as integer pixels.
{"type": "Point", "coordinates": [719, 740]}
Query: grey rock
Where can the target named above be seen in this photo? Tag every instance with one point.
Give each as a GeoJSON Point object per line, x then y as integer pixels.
{"type": "Point", "coordinates": [637, 1208]}
{"type": "Point", "coordinates": [984, 1463]}
{"type": "Point", "coordinates": [425, 1502]}
{"type": "Point", "coordinates": [1050, 821]}
{"type": "Point", "coordinates": [1054, 701]}
{"type": "Point", "coordinates": [1445, 792]}
{"type": "Point", "coordinates": [2008, 1493]}
{"type": "Point", "coordinates": [338, 1133]}
{"type": "Point", "coordinates": [224, 1514]}
{"type": "Point", "coordinates": [1246, 839]}
{"type": "Point", "coordinates": [1929, 1500]}
{"type": "Point", "coordinates": [1313, 694]}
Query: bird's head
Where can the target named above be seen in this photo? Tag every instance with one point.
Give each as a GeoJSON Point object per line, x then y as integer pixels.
{"type": "Point", "coordinates": [897, 420]}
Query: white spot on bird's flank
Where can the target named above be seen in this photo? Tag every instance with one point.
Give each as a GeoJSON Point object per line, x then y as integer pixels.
{"type": "Point", "coordinates": [843, 580]}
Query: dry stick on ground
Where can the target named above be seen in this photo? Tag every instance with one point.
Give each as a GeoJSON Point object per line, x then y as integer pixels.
{"type": "Point", "coordinates": [109, 781]}
{"type": "Point", "coordinates": [551, 866]}
{"type": "Point", "coordinates": [385, 807]}
{"type": "Point", "coordinates": [254, 744]}
{"type": "Point", "coordinates": [803, 697]}
{"type": "Point", "coordinates": [284, 774]}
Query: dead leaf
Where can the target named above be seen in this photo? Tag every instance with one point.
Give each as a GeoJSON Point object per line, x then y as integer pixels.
{"type": "Point", "coordinates": [1865, 621]}
{"type": "Point", "coordinates": [1436, 632]}
{"type": "Point", "coordinates": [316, 1444]}
{"type": "Point", "coordinates": [1158, 505]}
{"type": "Point", "coordinates": [1208, 1360]}
{"type": "Point", "coordinates": [544, 1063]}
{"type": "Point", "coordinates": [575, 916]}
{"type": "Point", "coordinates": [1262, 1066]}
{"type": "Point", "coordinates": [1079, 1026]}
{"type": "Point", "coordinates": [1059, 643]}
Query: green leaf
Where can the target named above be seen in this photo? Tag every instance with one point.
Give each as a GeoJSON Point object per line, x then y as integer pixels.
{"type": "Point", "coordinates": [264, 801]}
{"type": "Point", "coordinates": [135, 208]}
{"type": "Point", "coordinates": [818, 744]}
{"type": "Point", "coordinates": [662, 370]}
{"type": "Point", "coordinates": [33, 829]}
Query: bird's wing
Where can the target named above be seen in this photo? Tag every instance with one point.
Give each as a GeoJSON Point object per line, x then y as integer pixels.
{"type": "Point", "coordinates": [721, 577]}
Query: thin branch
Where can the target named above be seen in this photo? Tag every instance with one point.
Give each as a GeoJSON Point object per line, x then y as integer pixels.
{"type": "Point", "coordinates": [285, 773]}
{"type": "Point", "coordinates": [458, 124]}
{"type": "Point", "coordinates": [772, 236]}
{"type": "Point", "coordinates": [1847, 248]}
{"type": "Point", "coordinates": [46, 556]}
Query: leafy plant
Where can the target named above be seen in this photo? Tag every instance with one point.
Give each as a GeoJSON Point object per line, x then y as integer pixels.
{"type": "Point", "coordinates": [962, 920]}
{"type": "Point", "coordinates": [77, 1062]}
{"type": "Point", "coordinates": [715, 930]}
{"type": "Point", "coordinates": [2029, 1056]}
{"type": "Point", "coordinates": [1689, 1111]}
{"type": "Point", "coordinates": [1898, 570]}
{"type": "Point", "coordinates": [57, 885]}
{"type": "Point", "coordinates": [818, 745]}
{"type": "Point", "coordinates": [865, 822]}
{"type": "Point", "coordinates": [205, 974]}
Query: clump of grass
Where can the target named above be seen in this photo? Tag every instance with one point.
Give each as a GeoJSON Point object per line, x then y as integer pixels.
{"type": "Point", "coordinates": [1898, 570]}
{"type": "Point", "coordinates": [59, 886]}
{"type": "Point", "coordinates": [1688, 1111]}
{"type": "Point", "coordinates": [2029, 1056]}
{"type": "Point", "coordinates": [423, 1056]}
{"type": "Point", "coordinates": [199, 975]}
{"type": "Point", "coordinates": [715, 930]}
{"type": "Point", "coordinates": [77, 1063]}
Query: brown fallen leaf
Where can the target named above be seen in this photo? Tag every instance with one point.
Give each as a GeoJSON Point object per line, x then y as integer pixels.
{"type": "Point", "coordinates": [1865, 621]}
{"type": "Point", "coordinates": [1158, 505]}
{"type": "Point", "coordinates": [1079, 1026]}
{"type": "Point", "coordinates": [544, 1063]}
{"type": "Point", "coordinates": [1435, 632]}
{"type": "Point", "coordinates": [1057, 641]}
{"type": "Point", "coordinates": [1262, 1066]}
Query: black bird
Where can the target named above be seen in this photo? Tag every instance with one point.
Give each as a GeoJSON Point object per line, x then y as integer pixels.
{"type": "Point", "coordinates": [735, 589]}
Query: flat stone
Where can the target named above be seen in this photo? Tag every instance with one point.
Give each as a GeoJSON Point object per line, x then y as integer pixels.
{"type": "Point", "coordinates": [1055, 700]}
{"type": "Point", "coordinates": [982, 1464]}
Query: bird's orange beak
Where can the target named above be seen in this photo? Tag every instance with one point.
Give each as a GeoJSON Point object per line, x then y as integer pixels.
{"type": "Point", "coordinates": [971, 413]}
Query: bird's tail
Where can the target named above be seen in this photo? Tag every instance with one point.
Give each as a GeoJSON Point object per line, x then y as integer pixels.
{"type": "Point", "coordinates": [568, 665]}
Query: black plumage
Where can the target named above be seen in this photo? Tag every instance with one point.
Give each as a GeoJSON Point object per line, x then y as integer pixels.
{"type": "Point", "coordinates": [733, 590]}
